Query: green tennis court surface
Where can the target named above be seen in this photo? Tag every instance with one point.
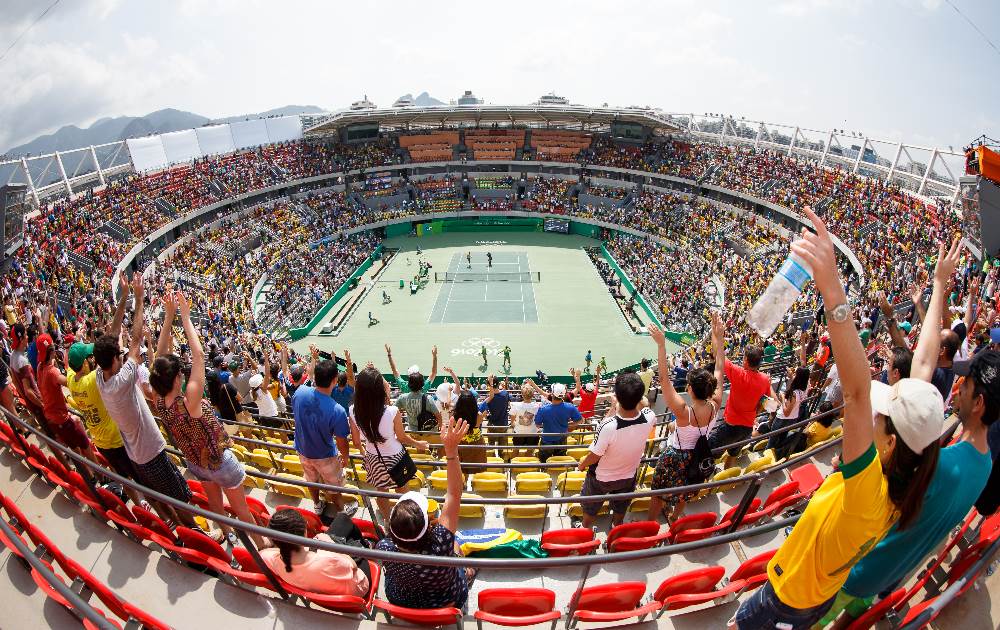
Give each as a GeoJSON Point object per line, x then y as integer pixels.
{"type": "Point", "coordinates": [549, 323]}
{"type": "Point", "coordinates": [481, 290]}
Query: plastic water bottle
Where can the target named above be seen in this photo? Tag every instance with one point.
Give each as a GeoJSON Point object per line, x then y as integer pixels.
{"type": "Point", "coordinates": [785, 287]}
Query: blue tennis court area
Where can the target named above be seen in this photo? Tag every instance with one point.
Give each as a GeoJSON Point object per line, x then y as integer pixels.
{"type": "Point", "coordinates": [474, 292]}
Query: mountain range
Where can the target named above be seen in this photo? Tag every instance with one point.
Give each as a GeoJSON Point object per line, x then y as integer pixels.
{"type": "Point", "coordinates": [122, 127]}
{"type": "Point", "coordinates": [106, 129]}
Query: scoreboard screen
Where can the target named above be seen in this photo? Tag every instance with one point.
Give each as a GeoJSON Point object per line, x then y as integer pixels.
{"type": "Point", "coordinates": [13, 207]}
{"type": "Point", "coordinates": [556, 225]}
{"type": "Point", "coordinates": [629, 131]}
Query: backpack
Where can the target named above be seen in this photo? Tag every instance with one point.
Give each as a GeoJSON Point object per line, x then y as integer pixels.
{"type": "Point", "coordinates": [426, 420]}
{"type": "Point", "coordinates": [702, 463]}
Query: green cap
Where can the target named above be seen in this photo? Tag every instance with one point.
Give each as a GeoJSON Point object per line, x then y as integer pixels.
{"type": "Point", "coordinates": [78, 353]}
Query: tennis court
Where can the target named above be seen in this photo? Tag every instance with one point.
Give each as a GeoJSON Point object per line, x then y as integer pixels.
{"type": "Point", "coordinates": [476, 291]}
{"type": "Point", "coordinates": [549, 323]}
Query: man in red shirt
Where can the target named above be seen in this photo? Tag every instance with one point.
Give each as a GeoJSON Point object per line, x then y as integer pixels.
{"type": "Point", "coordinates": [588, 393]}
{"type": "Point", "coordinates": [747, 386]}
{"type": "Point", "coordinates": [64, 427]}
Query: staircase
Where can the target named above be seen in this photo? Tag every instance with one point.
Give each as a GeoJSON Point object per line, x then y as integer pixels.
{"type": "Point", "coordinates": [116, 231]}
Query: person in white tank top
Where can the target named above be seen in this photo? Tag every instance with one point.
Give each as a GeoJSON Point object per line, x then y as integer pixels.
{"type": "Point", "coordinates": [377, 431]}
{"type": "Point", "coordinates": [691, 421]}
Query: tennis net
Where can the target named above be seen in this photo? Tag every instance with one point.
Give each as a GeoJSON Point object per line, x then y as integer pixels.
{"type": "Point", "coordinates": [493, 276]}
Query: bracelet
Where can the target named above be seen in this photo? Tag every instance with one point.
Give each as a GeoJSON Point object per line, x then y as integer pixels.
{"type": "Point", "coordinates": [451, 457]}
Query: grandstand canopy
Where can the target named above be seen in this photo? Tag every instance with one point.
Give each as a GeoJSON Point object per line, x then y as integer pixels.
{"type": "Point", "coordinates": [563, 116]}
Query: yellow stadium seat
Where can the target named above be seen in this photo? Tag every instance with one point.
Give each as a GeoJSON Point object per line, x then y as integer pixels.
{"type": "Point", "coordinates": [576, 510]}
{"type": "Point", "coordinates": [249, 481]}
{"type": "Point", "coordinates": [534, 510]}
{"type": "Point", "coordinates": [729, 473]}
{"type": "Point", "coordinates": [762, 463]}
{"type": "Point", "coordinates": [835, 433]}
{"type": "Point", "coordinates": [571, 481]}
{"type": "Point", "coordinates": [360, 473]}
{"type": "Point", "coordinates": [494, 460]}
{"type": "Point", "coordinates": [418, 458]}
{"type": "Point", "coordinates": [640, 504]}
{"type": "Point", "coordinates": [417, 482]}
{"type": "Point", "coordinates": [578, 453]}
{"type": "Point", "coordinates": [533, 482]}
{"type": "Point", "coordinates": [524, 460]}
{"type": "Point", "coordinates": [291, 463]}
{"type": "Point", "coordinates": [176, 460]}
{"type": "Point", "coordinates": [560, 459]}
{"type": "Point", "coordinates": [471, 511]}
{"type": "Point", "coordinates": [489, 482]}
{"type": "Point", "coordinates": [241, 452]}
{"type": "Point", "coordinates": [439, 479]}
{"type": "Point", "coordinates": [288, 489]}
{"type": "Point", "coordinates": [647, 476]}
{"type": "Point", "coordinates": [262, 459]}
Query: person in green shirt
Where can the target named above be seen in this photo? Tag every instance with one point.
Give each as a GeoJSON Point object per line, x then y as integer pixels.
{"type": "Point", "coordinates": [486, 361]}
{"type": "Point", "coordinates": [769, 351]}
{"type": "Point", "coordinates": [602, 365]}
{"type": "Point", "coordinates": [506, 357]}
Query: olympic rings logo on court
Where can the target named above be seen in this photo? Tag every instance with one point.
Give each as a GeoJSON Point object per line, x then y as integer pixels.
{"type": "Point", "coordinates": [474, 346]}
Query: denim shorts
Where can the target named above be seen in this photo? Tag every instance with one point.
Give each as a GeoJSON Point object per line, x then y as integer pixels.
{"type": "Point", "coordinates": [763, 609]}
{"type": "Point", "coordinates": [229, 475]}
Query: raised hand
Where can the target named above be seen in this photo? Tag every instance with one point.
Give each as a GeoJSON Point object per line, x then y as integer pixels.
{"type": "Point", "coordinates": [169, 306]}
{"type": "Point", "coordinates": [656, 334]}
{"type": "Point", "coordinates": [452, 434]}
{"type": "Point", "coordinates": [182, 305]}
{"type": "Point", "coordinates": [944, 269]}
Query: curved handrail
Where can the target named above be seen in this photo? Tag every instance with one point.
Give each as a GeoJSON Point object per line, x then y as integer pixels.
{"type": "Point", "coordinates": [79, 605]}
{"type": "Point", "coordinates": [398, 557]}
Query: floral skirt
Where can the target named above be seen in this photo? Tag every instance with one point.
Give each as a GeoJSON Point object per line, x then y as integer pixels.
{"type": "Point", "coordinates": [671, 472]}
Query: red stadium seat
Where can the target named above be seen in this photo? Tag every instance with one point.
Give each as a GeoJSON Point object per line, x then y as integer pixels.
{"type": "Point", "coordinates": [575, 541]}
{"type": "Point", "coordinates": [634, 536]}
{"type": "Point", "coordinates": [196, 547]}
{"type": "Point", "coordinates": [313, 523]}
{"type": "Point", "coordinates": [915, 611]}
{"type": "Point", "coordinates": [153, 523]}
{"type": "Point", "coordinates": [345, 604]}
{"type": "Point", "coordinates": [874, 614]}
{"type": "Point", "coordinates": [421, 616]}
{"type": "Point", "coordinates": [809, 478]}
{"type": "Point", "coordinates": [612, 602]}
{"type": "Point", "coordinates": [694, 587]}
{"type": "Point", "coordinates": [517, 607]}
{"type": "Point", "coordinates": [693, 521]}
{"type": "Point", "coordinates": [754, 570]}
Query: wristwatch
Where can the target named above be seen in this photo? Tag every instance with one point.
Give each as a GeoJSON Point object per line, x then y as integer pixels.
{"type": "Point", "coordinates": [839, 313]}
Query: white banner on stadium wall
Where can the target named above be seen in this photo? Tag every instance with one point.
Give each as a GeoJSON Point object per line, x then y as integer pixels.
{"type": "Point", "coordinates": [249, 133]}
{"type": "Point", "coordinates": [147, 153]}
{"type": "Point", "coordinates": [181, 146]}
{"type": "Point", "coordinates": [215, 139]}
{"type": "Point", "coordinates": [283, 129]}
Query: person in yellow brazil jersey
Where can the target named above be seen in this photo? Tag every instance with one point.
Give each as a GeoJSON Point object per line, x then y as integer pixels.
{"type": "Point", "coordinates": [887, 464]}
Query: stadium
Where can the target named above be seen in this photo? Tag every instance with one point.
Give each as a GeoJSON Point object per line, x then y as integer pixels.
{"type": "Point", "coordinates": [503, 365]}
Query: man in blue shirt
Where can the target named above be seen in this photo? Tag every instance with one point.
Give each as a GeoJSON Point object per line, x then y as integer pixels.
{"type": "Point", "coordinates": [497, 404]}
{"type": "Point", "coordinates": [556, 417]}
{"type": "Point", "coordinates": [321, 431]}
{"type": "Point", "coordinates": [343, 393]}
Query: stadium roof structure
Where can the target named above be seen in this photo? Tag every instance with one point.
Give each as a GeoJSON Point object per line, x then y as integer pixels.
{"type": "Point", "coordinates": [562, 116]}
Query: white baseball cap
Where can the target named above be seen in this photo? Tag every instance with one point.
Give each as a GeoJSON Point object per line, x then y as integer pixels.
{"type": "Point", "coordinates": [916, 408]}
{"type": "Point", "coordinates": [422, 503]}
{"type": "Point", "coordinates": [589, 387]}
{"type": "Point", "coordinates": [445, 394]}
{"type": "Point", "coordinates": [256, 380]}
{"type": "Point", "coordinates": [559, 390]}
{"type": "Point", "coordinates": [413, 370]}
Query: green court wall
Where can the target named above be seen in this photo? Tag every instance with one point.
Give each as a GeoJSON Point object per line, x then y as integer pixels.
{"type": "Point", "coordinates": [299, 333]}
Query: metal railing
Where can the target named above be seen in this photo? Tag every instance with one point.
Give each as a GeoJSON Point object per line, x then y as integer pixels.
{"type": "Point", "coordinates": [245, 530]}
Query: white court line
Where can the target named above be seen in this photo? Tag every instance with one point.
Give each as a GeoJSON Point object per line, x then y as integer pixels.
{"type": "Point", "coordinates": [524, 317]}
{"type": "Point", "coordinates": [447, 300]}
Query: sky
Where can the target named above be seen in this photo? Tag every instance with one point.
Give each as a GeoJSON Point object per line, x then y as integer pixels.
{"type": "Point", "coordinates": [897, 70]}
